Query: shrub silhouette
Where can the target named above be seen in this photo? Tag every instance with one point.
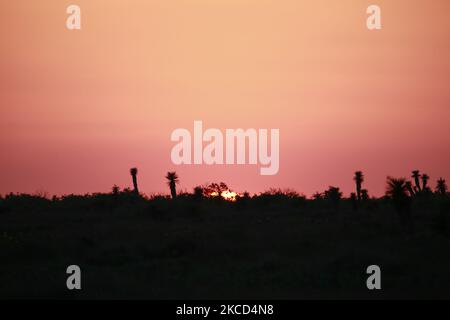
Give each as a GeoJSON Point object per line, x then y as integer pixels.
{"type": "Point", "coordinates": [115, 190]}
{"type": "Point", "coordinates": [333, 195]}
{"type": "Point", "coordinates": [214, 190]}
{"type": "Point", "coordinates": [365, 195]}
{"type": "Point", "coordinates": [198, 193]}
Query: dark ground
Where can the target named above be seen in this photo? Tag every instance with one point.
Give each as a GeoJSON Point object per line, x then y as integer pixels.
{"type": "Point", "coordinates": [267, 247]}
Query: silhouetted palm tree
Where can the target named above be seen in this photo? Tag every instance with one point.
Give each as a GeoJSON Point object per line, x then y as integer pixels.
{"type": "Point", "coordinates": [425, 179]}
{"type": "Point", "coordinates": [441, 187]}
{"type": "Point", "coordinates": [396, 190]}
{"type": "Point", "coordinates": [172, 178]}
{"type": "Point", "coordinates": [133, 172]}
{"type": "Point", "coordinates": [416, 176]}
{"type": "Point", "coordinates": [359, 178]}
{"type": "Point", "coordinates": [410, 188]}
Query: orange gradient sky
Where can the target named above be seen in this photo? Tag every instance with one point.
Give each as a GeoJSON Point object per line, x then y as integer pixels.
{"type": "Point", "coordinates": [79, 108]}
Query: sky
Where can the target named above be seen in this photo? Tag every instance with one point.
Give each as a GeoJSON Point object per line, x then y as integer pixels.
{"type": "Point", "coordinates": [79, 108]}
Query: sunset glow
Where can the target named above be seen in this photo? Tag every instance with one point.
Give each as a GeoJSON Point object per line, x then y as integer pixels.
{"type": "Point", "coordinates": [227, 195]}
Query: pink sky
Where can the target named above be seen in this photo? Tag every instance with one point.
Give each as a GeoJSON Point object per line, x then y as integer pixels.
{"type": "Point", "coordinates": [79, 108]}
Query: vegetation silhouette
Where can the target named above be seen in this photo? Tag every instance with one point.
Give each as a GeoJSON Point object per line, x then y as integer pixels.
{"type": "Point", "coordinates": [409, 187]}
{"type": "Point", "coordinates": [425, 179]}
{"type": "Point", "coordinates": [359, 178]}
{"type": "Point", "coordinates": [133, 172]}
{"type": "Point", "coordinates": [416, 176]}
{"type": "Point", "coordinates": [441, 187]}
{"type": "Point", "coordinates": [275, 244]}
{"type": "Point", "coordinates": [334, 196]}
{"type": "Point", "coordinates": [397, 191]}
{"type": "Point", "coordinates": [173, 180]}
{"type": "Point", "coordinates": [365, 195]}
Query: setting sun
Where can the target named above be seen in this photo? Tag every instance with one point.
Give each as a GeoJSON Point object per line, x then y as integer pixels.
{"type": "Point", "coordinates": [227, 195]}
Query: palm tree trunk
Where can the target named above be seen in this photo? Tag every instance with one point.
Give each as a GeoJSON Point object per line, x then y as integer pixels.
{"type": "Point", "coordinates": [417, 182]}
{"type": "Point", "coordinates": [424, 184]}
{"type": "Point", "coordinates": [358, 191]}
{"type": "Point", "coordinates": [135, 185]}
{"type": "Point", "coordinates": [173, 190]}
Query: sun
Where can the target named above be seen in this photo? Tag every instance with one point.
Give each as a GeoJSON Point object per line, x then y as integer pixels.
{"type": "Point", "coordinates": [227, 195]}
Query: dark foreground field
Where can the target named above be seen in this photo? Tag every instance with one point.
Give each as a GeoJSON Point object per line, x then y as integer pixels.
{"type": "Point", "coordinates": [266, 247]}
